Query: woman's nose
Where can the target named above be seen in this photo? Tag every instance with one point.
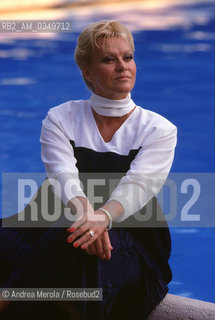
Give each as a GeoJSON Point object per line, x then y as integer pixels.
{"type": "Point", "coordinates": [121, 65]}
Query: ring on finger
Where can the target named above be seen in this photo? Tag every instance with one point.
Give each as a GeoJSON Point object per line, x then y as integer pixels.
{"type": "Point", "coordinates": [92, 233]}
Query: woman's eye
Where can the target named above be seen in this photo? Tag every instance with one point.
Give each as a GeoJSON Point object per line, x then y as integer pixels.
{"type": "Point", "coordinates": [108, 59]}
{"type": "Point", "coordinates": [128, 58]}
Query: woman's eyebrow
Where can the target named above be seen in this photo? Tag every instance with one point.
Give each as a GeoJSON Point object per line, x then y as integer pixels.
{"type": "Point", "coordinates": [115, 52]}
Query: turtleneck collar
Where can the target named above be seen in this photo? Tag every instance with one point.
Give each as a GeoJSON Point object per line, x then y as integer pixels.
{"type": "Point", "coordinates": [111, 108]}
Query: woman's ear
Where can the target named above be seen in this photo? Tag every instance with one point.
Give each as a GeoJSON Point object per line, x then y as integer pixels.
{"type": "Point", "coordinates": [87, 74]}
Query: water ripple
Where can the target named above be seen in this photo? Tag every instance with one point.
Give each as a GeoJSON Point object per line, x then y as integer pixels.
{"type": "Point", "coordinates": [200, 35]}
{"type": "Point", "coordinates": [191, 230]}
{"type": "Point", "coordinates": [17, 81]}
{"type": "Point", "coordinates": [17, 53]}
{"type": "Point", "coordinates": [19, 114]}
{"type": "Point", "coordinates": [188, 48]}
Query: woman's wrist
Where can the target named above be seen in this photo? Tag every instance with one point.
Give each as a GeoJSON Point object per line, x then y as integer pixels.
{"type": "Point", "coordinates": [115, 209]}
{"type": "Point", "coordinates": [79, 204]}
{"type": "Point", "coordinates": [109, 218]}
{"type": "Point", "coordinates": [112, 210]}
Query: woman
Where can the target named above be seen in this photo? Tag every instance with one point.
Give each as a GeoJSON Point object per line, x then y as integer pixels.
{"type": "Point", "coordinates": [106, 134]}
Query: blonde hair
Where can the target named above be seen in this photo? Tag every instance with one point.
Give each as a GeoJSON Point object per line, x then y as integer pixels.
{"type": "Point", "coordinates": [88, 40]}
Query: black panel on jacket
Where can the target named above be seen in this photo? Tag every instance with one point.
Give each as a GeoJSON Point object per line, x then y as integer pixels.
{"type": "Point", "coordinates": [89, 160]}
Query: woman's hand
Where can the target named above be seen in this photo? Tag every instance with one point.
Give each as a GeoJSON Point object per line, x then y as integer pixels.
{"type": "Point", "coordinates": [101, 247]}
{"type": "Point", "coordinates": [88, 228]}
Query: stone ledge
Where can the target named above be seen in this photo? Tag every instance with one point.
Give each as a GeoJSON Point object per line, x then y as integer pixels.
{"type": "Point", "coordinates": [180, 308]}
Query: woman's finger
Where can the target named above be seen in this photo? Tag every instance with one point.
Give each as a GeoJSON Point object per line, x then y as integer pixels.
{"type": "Point", "coordinates": [91, 249]}
{"type": "Point", "coordinates": [79, 232]}
{"type": "Point", "coordinates": [87, 232]}
{"type": "Point", "coordinates": [83, 235]}
{"type": "Point", "coordinates": [88, 250]}
{"type": "Point", "coordinates": [86, 240]}
{"type": "Point", "coordinates": [77, 224]}
{"type": "Point", "coordinates": [99, 248]}
{"type": "Point", "coordinates": [107, 247]}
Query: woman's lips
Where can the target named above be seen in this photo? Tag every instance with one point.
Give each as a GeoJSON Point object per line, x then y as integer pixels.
{"type": "Point", "coordinates": [123, 78]}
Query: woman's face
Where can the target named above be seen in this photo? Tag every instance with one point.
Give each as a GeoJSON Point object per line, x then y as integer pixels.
{"type": "Point", "coordinates": [112, 71]}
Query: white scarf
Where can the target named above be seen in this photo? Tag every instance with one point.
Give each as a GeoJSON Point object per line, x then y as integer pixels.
{"type": "Point", "coordinates": [111, 108]}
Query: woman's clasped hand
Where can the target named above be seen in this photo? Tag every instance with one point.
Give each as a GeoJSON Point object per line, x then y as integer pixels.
{"type": "Point", "coordinates": [90, 232]}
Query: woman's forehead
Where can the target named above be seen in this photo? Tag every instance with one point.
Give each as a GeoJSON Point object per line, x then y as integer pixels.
{"type": "Point", "coordinates": [113, 44]}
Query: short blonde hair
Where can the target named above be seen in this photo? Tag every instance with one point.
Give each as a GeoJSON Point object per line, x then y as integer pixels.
{"type": "Point", "coordinates": [88, 40]}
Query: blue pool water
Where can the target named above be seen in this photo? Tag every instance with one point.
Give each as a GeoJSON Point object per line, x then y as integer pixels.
{"type": "Point", "coordinates": [176, 78]}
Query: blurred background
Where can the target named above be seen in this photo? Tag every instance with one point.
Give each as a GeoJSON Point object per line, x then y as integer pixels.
{"type": "Point", "coordinates": [175, 56]}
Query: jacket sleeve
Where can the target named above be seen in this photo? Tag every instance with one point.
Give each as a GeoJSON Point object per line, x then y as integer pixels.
{"type": "Point", "coordinates": [58, 157]}
{"type": "Point", "coordinates": [148, 171]}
